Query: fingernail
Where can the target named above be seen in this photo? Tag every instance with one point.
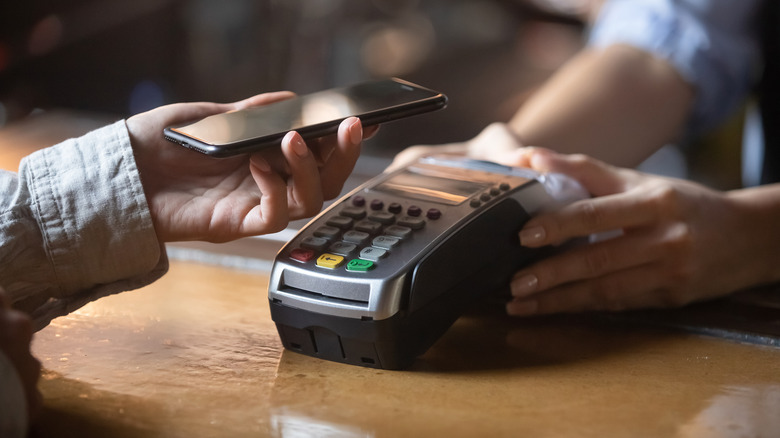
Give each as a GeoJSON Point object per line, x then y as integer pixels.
{"type": "Point", "coordinates": [532, 236]}
{"type": "Point", "coordinates": [522, 308]}
{"type": "Point", "coordinates": [524, 285]}
{"type": "Point", "coordinates": [356, 132]}
{"type": "Point", "coordinates": [260, 163]}
{"type": "Point", "coordinates": [298, 145]}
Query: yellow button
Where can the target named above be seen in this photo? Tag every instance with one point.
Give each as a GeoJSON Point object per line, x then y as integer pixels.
{"type": "Point", "coordinates": [329, 261]}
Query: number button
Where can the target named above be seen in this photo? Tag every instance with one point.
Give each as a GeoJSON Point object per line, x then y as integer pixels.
{"type": "Point", "coordinates": [357, 237]}
{"type": "Point", "coordinates": [342, 248]}
{"type": "Point", "coordinates": [315, 243]}
{"type": "Point", "coordinates": [368, 226]}
{"type": "Point", "coordinates": [398, 231]}
{"type": "Point", "coordinates": [341, 222]}
{"type": "Point", "coordinates": [385, 242]}
{"type": "Point", "coordinates": [354, 212]}
{"type": "Point", "coordinates": [372, 253]}
{"type": "Point", "coordinates": [327, 232]}
{"type": "Point", "coordinates": [414, 223]}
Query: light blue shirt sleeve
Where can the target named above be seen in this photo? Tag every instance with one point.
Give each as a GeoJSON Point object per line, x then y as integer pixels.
{"type": "Point", "coordinates": [75, 226]}
{"type": "Point", "coordinates": [713, 44]}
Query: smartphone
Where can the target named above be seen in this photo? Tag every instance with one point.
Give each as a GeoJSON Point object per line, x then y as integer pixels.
{"type": "Point", "coordinates": [312, 115]}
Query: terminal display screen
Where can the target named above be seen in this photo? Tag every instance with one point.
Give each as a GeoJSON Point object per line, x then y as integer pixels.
{"type": "Point", "coordinates": [431, 188]}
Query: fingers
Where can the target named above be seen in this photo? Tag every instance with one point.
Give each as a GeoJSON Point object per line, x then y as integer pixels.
{"type": "Point", "coordinates": [339, 165]}
{"type": "Point", "coordinates": [269, 213]}
{"type": "Point", "coordinates": [304, 191]}
{"type": "Point", "coordinates": [587, 261]}
{"type": "Point", "coordinates": [627, 289]}
{"type": "Point", "coordinates": [262, 99]}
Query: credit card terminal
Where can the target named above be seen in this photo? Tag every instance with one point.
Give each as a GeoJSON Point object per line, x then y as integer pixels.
{"type": "Point", "coordinates": [380, 275]}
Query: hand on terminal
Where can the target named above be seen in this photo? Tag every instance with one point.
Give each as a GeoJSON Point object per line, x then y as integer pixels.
{"type": "Point", "coordinates": [680, 242]}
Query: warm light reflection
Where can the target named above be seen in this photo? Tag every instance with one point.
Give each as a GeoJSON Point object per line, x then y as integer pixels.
{"type": "Point", "coordinates": [45, 35]}
{"type": "Point", "coordinates": [741, 411]}
{"type": "Point", "coordinates": [398, 48]}
{"type": "Point", "coordinates": [285, 424]}
{"type": "Point", "coordinates": [323, 107]}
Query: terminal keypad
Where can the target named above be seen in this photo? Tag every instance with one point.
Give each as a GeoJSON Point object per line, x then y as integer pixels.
{"type": "Point", "coordinates": [362, 234]}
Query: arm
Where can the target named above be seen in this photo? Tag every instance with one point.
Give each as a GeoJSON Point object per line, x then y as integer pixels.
{"type": "Point", "coordinates": [619, 104]}
{"type": "Point", "coordinates": [653, 72]}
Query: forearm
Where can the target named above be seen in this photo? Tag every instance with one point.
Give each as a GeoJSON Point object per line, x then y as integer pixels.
{"type": "Point", "coordinates": [75, 226]}
{"type": "Point", "coordinates": [618, 104]}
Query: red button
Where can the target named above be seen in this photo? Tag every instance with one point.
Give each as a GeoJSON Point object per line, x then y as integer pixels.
{"type": "Point", "coordinates": [302, 254]}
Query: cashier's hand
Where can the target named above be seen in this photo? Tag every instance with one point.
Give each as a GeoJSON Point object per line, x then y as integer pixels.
{"type": "Point", "coordinates": [195, 197]}
{"type": "Point", "coordinates": [16, 332]}
{"type": "Point", "coordinates": [677, 241]}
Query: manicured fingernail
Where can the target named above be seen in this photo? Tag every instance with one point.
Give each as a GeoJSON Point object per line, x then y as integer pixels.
{"type": "Point", "coordinates": [356, 132]}
{"type": "Point", "coordinates": [524, 285]}
{"type": "Point", "coordinates": [298, 145]}
{"type": "Point", "coordinates": [532, 236]}
{"type": "Point", "coordinates": [260, 163]}
{"type": "Point", "coordinates": [522, 308]}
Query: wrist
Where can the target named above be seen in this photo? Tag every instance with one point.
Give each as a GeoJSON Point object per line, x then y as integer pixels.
{"type": "Point", "coordinates": [758, 213]}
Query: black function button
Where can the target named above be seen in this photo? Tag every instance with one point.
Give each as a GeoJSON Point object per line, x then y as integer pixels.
{"type": "Point", "coordinates": [394, 208]}
{"type": "Point", "coordinates": [376, 204]}
{"type": "Point", "coordinates": [358, 201]}
{"type": "Point", "coordinates": [433, 214]}
{"type": "Point", "coordinates": [485, 197]}
{"type": "Point", "coordinates": [494, 191]}
{"type": "Point", "coordinates": [414, 210]}
{"type": "Point", "coordinates": [503, 186]}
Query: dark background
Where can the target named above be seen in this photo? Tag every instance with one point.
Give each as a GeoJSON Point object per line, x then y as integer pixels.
{"type": "Point", "coordinates": [118, 58]}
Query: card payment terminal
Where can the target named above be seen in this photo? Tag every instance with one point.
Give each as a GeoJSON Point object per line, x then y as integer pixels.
{"type": "Point", "coordinates": [381, 274]}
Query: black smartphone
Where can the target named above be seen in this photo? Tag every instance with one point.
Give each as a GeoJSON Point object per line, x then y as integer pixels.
{"type": "Point", "coordinates": [312, 115]}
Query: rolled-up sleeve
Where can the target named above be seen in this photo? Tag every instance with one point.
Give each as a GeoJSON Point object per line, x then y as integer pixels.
{"type": "Point", "coordinates": [713, 44]}
{"type": "Point", "coordinates": [75, 226]}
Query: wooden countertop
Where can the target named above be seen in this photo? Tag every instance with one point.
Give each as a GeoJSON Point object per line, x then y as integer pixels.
{"type": "Point", "coordinates": [197, 355]}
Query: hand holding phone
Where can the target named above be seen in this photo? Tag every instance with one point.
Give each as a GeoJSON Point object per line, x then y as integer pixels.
{"type": "Point", "coordinates": [312, 115]}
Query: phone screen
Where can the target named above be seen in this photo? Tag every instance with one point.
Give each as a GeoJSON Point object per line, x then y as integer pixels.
{"type": "Point", "coordinates": [313, 114]}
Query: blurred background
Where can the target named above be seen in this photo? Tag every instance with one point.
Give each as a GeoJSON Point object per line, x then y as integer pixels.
{"type": "Point", "coordinates": [116, 58]}
{"type": "Point", "coordinates": [104, 60]}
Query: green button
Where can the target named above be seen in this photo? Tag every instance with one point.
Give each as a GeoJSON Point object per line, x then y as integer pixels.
{"type": "Point", "coordinates": [360, 265]}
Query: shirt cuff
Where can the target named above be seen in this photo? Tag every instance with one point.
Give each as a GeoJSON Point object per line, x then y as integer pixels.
{"type": "Point", "coordinates": [94, 219]}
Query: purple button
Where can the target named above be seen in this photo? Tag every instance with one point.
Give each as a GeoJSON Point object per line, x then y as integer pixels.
{"type": "Point", "coordinates": [376, 204]}
{"type": "Point", "coordinates": [394, 208]}
{"type": "Point", "coordinates": [358, 201]}
{"type": "Point", "coordinates": [414, 211]}
{"type": "Point", "coordinates": [433, 214]}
